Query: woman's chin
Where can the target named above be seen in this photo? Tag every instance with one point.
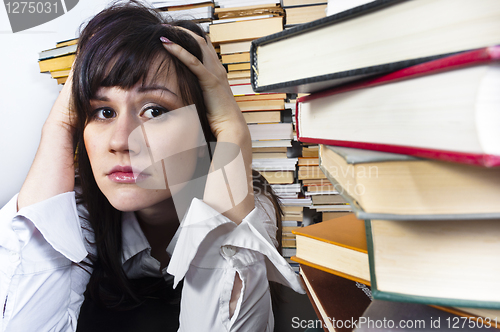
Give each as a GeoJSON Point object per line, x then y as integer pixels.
{"type": "Point", "coordinates": [130, 201]}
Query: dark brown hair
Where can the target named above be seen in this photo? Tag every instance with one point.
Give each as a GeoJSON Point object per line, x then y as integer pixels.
{"type": "Point", "coordinates": [117, 49]}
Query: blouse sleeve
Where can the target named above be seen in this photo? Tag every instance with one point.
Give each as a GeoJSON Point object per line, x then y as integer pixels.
{"type": "Point", "coordinates": [211, 250]}
{"type": "Point", "coordinates": [41, 284]}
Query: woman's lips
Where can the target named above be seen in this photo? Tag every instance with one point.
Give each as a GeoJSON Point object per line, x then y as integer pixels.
{"type": "Point", "coordinates": [125, 174]}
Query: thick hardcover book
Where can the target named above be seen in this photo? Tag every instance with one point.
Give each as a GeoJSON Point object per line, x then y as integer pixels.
{"type": "Point", "coordinates": [381, 185]}
{"type": "Point", "coordinates": [336, 300]}
{"type": "Point", "coordinates": [371, 39]}
{"type": "Point", "coordinates": [444, 109]}
{"type": "Point", "coordinates": [445, 263]}
{"type": "Point", "coordinates": [336, 246]}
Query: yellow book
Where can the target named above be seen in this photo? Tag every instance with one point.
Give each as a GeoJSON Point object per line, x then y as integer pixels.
{"type": "Point", "coordinates": [278, 177]}
{"type": "Point", "coordinates": [238, 66]}
{"type": "Point", "coordinates": [60, 73]}
{"type": "Point", "coordinates": [58, 63]}
{"type": "Point", "coordinates": [236, 57]}
{"type": "Point", "coordinates": [62, 80]}
{"type": "Point", "coordinates": [67, 42]}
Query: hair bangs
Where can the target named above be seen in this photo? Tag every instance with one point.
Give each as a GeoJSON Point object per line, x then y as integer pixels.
{"type": "Point", "coordinates": [126, 66]}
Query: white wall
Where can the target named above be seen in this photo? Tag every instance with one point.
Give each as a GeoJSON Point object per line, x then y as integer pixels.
{"type": "Point", "coordinates": [26, 95]}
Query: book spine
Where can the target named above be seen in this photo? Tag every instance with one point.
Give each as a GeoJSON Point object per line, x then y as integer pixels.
{"type": "Point", "coordinates": [314, 305]}
{"type": "Point", "coordinates": [477, 159]}
{"type": "Point", "coordinates": [329, 20]}
{"type": "Point", "coordinates": [371, 256]}
{"type": "Point", "coordinates": [253, 66]}
{"type": "Point", "coordinates": [337, 273]}
{"type": "Point", "coordinates": [388, 296]}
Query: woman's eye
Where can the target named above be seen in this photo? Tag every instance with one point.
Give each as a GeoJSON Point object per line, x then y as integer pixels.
{"type": "Point", "coordinates": [154, 112]}
{"type": "Point", "coordinates": [104, 113]}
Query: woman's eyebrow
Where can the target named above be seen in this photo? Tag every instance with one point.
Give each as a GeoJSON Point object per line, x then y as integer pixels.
{"type": "Point", "coordinates": [99, 98]}
{"type": "Point", "coordinates": [155, 87]}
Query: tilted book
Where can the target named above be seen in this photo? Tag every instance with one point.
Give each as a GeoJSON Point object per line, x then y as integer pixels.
{"type": "Point", "coordinates": [445, 263]}
{"type": "Point", "coordinates": [336, 246]}
{"type": "Point", "coordinates": [336, 300]}
{"type": "Point", "coordinates": [446, 109]}
{"type": "Point", "coordinates": [371, 39]}
{"type": "Point", "coordinates": [381, 185]}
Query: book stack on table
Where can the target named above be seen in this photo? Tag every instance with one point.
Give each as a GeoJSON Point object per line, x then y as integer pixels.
{"type": "Point", "coordinates": [404, 104]}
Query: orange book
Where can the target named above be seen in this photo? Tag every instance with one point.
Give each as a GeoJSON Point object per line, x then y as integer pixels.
{"type": "Point", "coordinates": [336, 246]}
{"type": "Point", "coordinates": [264, 96]}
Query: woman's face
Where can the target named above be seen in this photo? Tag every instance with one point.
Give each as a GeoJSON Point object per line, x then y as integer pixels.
{"type": "Point", "coordinates": [141, 143]}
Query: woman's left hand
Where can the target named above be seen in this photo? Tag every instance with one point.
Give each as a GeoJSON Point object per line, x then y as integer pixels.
{"type": "Point", "coordinates": [229, 126]}
{"type": "Point", "coordinates": [223, 111]}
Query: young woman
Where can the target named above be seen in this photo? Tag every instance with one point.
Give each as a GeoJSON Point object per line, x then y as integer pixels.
{"type": "Point", "coordinates": [146, 106]}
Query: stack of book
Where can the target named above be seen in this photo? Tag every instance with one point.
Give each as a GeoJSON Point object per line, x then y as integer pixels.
{"type": "Point", "coordinates": [324, 196]}
{"type": "Point", "coordinates": [269, 121]}
{"type": "Point", "coordinates": [292, 220]}
{"type": "Point", "coordinates": [58, 61]}
{"type": "Point", "coordinates": [408, 133]}
{"type": "Point", "coordinates": [270, 124]}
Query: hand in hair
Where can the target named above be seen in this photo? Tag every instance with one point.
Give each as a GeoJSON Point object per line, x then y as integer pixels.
{"type": "Point", "coordinates": [61, 113]}
{"type": "Point", "coordinates": [52, 172]}
{"type": "Point", "coordinates": [227, 124]}
{"type": "Point", "coordinates": [223, 111]}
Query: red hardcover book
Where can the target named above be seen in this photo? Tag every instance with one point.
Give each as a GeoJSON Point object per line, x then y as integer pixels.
{"type": "Point", "coordinates": [447, 109]}
{"type": "Point", "coordinates": [338, 302]}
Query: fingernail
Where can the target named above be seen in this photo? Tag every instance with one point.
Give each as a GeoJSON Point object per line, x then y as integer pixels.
{"type": "Point", "coordinates": [165, 40]}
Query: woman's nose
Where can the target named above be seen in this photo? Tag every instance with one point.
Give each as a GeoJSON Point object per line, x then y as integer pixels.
{"type": "Point", "coordinates": [123, 136]}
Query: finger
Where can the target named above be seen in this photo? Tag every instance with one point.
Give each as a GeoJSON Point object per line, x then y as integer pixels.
{"type": "Point", "coordinates": [187, 58]}
{"type": "Point", "coordinates": [209, 55]}
{"type": "Point", "coordinates": [210, 45]}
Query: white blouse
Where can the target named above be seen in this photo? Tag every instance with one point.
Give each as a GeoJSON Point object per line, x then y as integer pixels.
{"type": "Point", "coordinates": [42, 286]}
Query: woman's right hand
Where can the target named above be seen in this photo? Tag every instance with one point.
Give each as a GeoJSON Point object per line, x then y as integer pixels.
{"type": "Point", "coordinates": [61, 114]}
{"type": "Point", "coordinates": [52, 172]}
